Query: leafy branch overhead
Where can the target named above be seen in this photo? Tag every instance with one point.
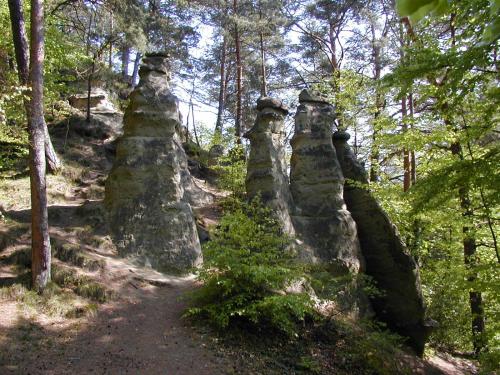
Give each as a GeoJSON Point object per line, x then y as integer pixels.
{"type": "Point", "coordinates": [418, 9]}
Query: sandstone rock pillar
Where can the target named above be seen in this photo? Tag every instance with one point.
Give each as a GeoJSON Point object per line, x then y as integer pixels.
{"type": "Point", "coordinates": [316, 183]}
{"type": "Point", "coordinates": [267, 170]}
{"type": "Point", "coordinates": [150, 217]}
{"type": "Point", "coordinates": [387, 261]}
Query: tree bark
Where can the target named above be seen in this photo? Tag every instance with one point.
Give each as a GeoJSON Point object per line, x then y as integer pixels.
{"type": "Point", "coordinates": [40, 240]}
{"type": "Point", "coordinates": [89, 31]}
{"type": "Point", "coordinates": [110, 61]}
{"type": "Point", "coordinates": [135, 72]}
{"type": "Point", "coordinates": [412, 152]}
{"type": "Point", "coordinates": [222, 88]}
{"type": "Point", "coordinates": [125, 61]}
{"type": "Point", "coordinates": [194, 124]}
{"type": "Point", "coordinates": [19, 39]}
{"type": "Point", "coordinates": [89, 87]}
{"type": "Point", "coordinates": [406, 153]}
{"type": "Point", "coordinates": [470, 247]}
{"type": "Point", "coordinates": [404, 115]}
{"type": "Point", "coordinates": [239, 75]}
{"type": "Point", "coordinates": [263, 89]}
{"type": "Point", "coordinates": [22, 60]}
{"type": "Point", "coordinates": [379, 104]}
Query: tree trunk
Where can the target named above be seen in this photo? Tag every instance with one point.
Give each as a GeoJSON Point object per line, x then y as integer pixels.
{"type": "Point", "coordinates": [470, 247]}
{"type": "Point", "coordinates": [334, 63]}
{"type": "Point", "coordinates": [379, 104]}
{"type": "Point", "coordinates": [19, 39]}
{"type": "Point", "coordinates": [89, 31]}
{"type": "Point", "coordinates": [406, 153]}
{"type": "Point", "coordinates": [110, 61]}
{"type": "Point", "coordinates": [412, 153]}
{"type": "Point", "coordinates": [239, 75]}
{"type": "Point", "coordinates": [125, 62]}
{"type": "Point", "coordinates": [135, 73]}
{"type": "Point", "coordinates": [89, 87]}
{"type": "Point", "coordinates": [22, 59]}
{"type": "Point", "coordinates": [263, 88]}
{"type": "Point", "coordinates": [194, 124]}
{"type": "Point", "coordinates": [40, 240]}
{"type": "Point", "coordinates": [404, 115]}
{"type": "Point", "coordinates": [222, 88]}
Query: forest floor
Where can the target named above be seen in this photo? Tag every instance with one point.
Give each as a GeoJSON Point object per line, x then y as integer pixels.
{"type": "Point", "coordinates": [104, 314]}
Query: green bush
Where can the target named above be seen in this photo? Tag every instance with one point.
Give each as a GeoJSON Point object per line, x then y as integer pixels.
{"type": "Point", "coordinates": [247, 267]}
{"type": "Point", "coordinates": [232, 170]}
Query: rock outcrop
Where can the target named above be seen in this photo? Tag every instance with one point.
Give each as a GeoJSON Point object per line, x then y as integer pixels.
{"type": "Point", "coordinates": [267, 174]}
{"type": "Point", "coordinates": [316, 183]}
{"type": "Point", "coordinates": [147, 191]}
{"type": "Point", "coordinates": [388, 262]}
{"type": "Point", "coordinates": [98, 100]}
{"type": "Point", "coordinates": [105, 121]}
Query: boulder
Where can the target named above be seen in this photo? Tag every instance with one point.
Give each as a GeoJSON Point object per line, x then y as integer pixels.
{"type": "Point", "coordinates": [99, 101]}
{"type": "Point", "coordinates": [400, 305]}
{"type": "Point", "coordinates": [148, 188]}
{"type": "Point", "coordinates": [266, 169]}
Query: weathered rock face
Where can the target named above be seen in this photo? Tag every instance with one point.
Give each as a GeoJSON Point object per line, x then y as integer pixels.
{"type": "Point", "coordinates": [147, 191]}
{"type": "Point", "coordinates": [387, 260]}
{"type": "Point", "coordinates": [267, 171]}
{"type": "Point", "coordinates": [98, 101]}
{"type": "Point", "coordinates": [316, 184]}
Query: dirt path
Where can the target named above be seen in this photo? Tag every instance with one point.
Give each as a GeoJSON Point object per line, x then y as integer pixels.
{"type": "Point", "coordinates": [139, 331]}
{"type": "Point", "coordinates": [143, 334]}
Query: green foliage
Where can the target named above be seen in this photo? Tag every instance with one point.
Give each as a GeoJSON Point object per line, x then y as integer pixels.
{"type": "Point", "coordinates": [417, 9]}
{"type": "Point", "coordinates": [456, 145]}
{"type": "Point", "coordinates": [247, 267]}
{"type": "Point", "coordinates": [232, 169]}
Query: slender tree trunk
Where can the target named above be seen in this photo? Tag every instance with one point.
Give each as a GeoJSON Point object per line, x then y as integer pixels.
{"type": "Point", "coordinates": [22, 59]}
{"type": "Point", "coordinates": [135, 73]}
{"type": "Point", "coordinates": [54, 164]}
{"type": "Point", "coordinates": [125, 62]}
{"type": "Point", "coordinates": [412, 153]}
{"type": "Point", "coordinates": [187, 118]}
{"type": "Point", "coordinates": [239, 75]}
{"type": "Point", "coordinates": [89, 31]}
{"type": "Point", "coordinates": [194, 125]}
{"type": "Point", "coordinates": [263, 89]}
{"type": "Point", "coordinates": [334, 63]}
{"type": "Point", "coordinates": [89, 87]}
{"type": "Point", "coordinates": [110, 61]}
{"type": "Point", "coordinates": [470, 247]}
{"type": "Point", "coordinates": [406, 153]}
{"type": "Point", "coordinates": [222, 88]}
{"type": "Point", "coordinates": [379, 104]}
{"type": "Point", "coordinates": [40, 240]}
{"type": "Point", "coordinates": [404, 115]}
{"type": "Point", "coordinates": [20, 40]}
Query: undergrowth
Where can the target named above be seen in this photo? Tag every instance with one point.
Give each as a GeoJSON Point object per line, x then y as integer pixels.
{"type": "Point", "coordinates": [247, 267]}
{"type": "Point", "coordinates": [68, 294]}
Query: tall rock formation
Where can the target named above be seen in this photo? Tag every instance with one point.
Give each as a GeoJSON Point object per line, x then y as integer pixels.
{"type": "Point", "coordinates": [147, 189]}
{"type": "Point", "coordinates": [267, 170]}
{"type": "Point", "coordinates": [316, 183]}
{"type": "Point", "coordinates": [388, 262]}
